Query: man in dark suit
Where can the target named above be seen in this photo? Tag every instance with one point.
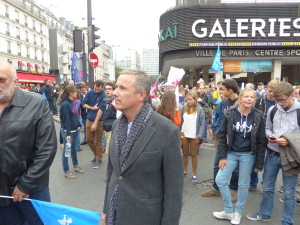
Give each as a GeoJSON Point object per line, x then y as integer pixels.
{"type": "Point", "coordinates": [144, 182]}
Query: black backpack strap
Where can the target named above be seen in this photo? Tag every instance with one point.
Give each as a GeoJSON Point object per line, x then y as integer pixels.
{"type": "Point", "coordinates": [298, 116]}
{"type": "Point", "coordinates": [272, 114]}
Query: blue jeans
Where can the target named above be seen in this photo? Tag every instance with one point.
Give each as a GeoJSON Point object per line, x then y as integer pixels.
{"type": "Point", "coordinates": [253, 178]}
{"type": "Point", "coordinates": [78, 138]}
{"type": "Point", "coordinates": [22, 212]}
{"type": "Point", "coordinates": [271, 169]}
{"type": "Point", "coordinates": [103, 140]}
{"type": "Point", "coordinates": [74, 138]}
{"type": "Point", "coordinates": [245, 162]}
{"type": "Point", "coordinates": [84, 124]}
{"type": "Point", "coordinates": [234, 177]}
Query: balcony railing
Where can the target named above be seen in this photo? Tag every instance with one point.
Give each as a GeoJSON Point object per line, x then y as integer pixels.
{"type": "Point", "coordinates": [28, 8]}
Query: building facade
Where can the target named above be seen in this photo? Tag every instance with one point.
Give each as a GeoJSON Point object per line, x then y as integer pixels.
{"type": "Point", "coordinates": [130, 58]}
{"type": "Point", "coordinates": [24, 39]}
{"type": "Point", "coordinates": [150, 62]}
{"type": "Point", "coordinates": [258, 41]}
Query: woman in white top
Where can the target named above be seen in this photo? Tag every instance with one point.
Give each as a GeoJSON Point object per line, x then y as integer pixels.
{"type": "Point", "coordinates": [192, 130]}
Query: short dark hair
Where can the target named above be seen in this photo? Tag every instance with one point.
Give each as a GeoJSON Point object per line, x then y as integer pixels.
{"type": "Point", "coordinates": [220, 82]}
{"type": "Point", "coordinates": [99, 83]}
{"type": "Point", "coordinates": [231, 84]}
{"type": "Point", "coordinates": [45, 81]}
{"type": "Point", "coordinates": [110, 84]}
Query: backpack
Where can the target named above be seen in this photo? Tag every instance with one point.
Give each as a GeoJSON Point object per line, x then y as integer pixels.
{"type": "Point", "coordinates": [209, 99]}
{"type": "Point", "coordinates": [274, 110]}
{"type": "Point", "coordinates": [206, 110]}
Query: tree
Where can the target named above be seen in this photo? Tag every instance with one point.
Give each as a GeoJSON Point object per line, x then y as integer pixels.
{"type": "Point", "coordinates": [118, 71]}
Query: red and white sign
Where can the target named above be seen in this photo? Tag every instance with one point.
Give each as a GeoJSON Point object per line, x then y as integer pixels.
{"type": "Point", "coordinates": [93, 58]}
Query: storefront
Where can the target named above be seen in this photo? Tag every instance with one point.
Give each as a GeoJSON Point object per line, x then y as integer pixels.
{"type": "Point", "coordinates": [258, 42]}
{"type": "Point", "coordinates": [33, 77]}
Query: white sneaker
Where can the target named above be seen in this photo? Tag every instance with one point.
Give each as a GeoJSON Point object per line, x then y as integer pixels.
{"type": "Point", "coordinates": [223, 215]}
{"type": "Point", "coordinates": [237, 219]}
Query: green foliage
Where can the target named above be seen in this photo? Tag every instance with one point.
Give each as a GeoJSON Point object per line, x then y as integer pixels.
{"type": "Point", "coordinates": [118, 71]}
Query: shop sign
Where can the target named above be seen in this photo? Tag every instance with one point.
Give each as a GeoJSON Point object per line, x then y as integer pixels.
{"type": "Point", "coordinates": [257, 27]}
{"type": "Point", "coordinates": [165, 34]}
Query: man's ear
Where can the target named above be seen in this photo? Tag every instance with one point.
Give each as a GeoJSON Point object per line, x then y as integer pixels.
{"type": "Point", "coordinates": [142, 96]}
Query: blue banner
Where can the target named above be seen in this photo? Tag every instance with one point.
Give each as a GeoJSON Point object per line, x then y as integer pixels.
{"type": "Point", "coordinates": [217, 61]}
{"type": "Point", "coordinates": [51, 213]}
{"type": "Point", "coordinates": [77, 75]}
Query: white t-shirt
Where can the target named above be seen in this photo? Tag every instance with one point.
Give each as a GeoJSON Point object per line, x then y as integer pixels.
{"type": "Point", "coordinates": [189, 125]}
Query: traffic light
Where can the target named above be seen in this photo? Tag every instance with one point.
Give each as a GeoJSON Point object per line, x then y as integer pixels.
{"type": "Point", "coordinates": [92, 36]}
{"type": "Point", "coordinates": [77, 40]}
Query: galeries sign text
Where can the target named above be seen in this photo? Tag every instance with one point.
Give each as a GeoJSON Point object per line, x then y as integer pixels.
{"type": "Point", "coordinates": [272, 27]}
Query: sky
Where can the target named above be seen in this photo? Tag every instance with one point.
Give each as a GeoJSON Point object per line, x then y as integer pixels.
{"type": "Point", "coordinates": [129, 24]}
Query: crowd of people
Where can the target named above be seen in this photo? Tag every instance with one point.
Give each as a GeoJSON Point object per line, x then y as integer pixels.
{"type": "Point", "coordinates": [148, 139]}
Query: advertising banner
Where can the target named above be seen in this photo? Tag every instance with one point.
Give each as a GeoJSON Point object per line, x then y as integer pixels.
{"type": "Point", "coordinates": [238, 67]}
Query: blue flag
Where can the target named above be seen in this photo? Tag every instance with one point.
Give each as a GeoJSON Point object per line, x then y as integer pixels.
{"type": "Point", "coordinates": [217, 62]}
{"type": "Point", "coordinates": [77, 75]}
{"type": "Point", "coordinates": [51, 213]}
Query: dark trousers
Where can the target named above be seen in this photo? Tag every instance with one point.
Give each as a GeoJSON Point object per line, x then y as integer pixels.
{"type": "Point", "coordinates": [22, 212]}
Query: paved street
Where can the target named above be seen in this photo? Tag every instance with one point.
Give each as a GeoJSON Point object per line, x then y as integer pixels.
{"type": "Point", "coordinates": [87, 190]}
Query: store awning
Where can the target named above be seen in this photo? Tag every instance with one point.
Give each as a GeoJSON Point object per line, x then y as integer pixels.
{"type": "Point", "coordinates": [37, 66]}
{"type": "Point", "coordinates": [29, 65]}
{"type": "Point", "coordinates": [20, 62]}
{"type": "Point", "coordinates": [34, 78]}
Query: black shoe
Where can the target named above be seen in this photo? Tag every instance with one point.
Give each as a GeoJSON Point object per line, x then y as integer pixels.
{"type": "Point", "coordinates": [83, 143]}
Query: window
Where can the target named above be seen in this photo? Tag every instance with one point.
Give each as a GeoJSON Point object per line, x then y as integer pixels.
{"type": "Point", "coordinates": [26, 36]}
{"type": "Point", "coordinates": [41, 28]}
{"type": "Point", "coordinates": [17, 15]}
{"type": "Point", "coordinates": [42, 56]}
{"type": "Point", "coordinates": [35, 55]}
{"type": "Point", "coordinates": [19, 49]}
{"type": "Point", "coordinates": [43, 67]}
{"type": "Point", "coordinates": [25, 21]}
{"type": "Point", "coordinates": [7, 28]}
{"type": "Point", "coordinates": [6, 11]}
{"type": "Point", "coordinates": [33, 24]}
{"type": "Point", "coordinates": [18, 32]}
{"type": "Point", "coordinates": [27, 52]}
{"type": "Point", "coordinates": [34, 39]}
{"type": "Point", "coordinates": [42, 44]}
{"type": "Point", "coordinates": [8, 47]}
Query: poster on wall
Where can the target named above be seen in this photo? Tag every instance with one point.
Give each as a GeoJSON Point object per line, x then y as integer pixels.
{"type": "Point", "coordinates": [239, 67]}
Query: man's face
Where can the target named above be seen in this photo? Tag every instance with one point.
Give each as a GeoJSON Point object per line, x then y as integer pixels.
{"type": "Point", "coordinates": [297, 93]}
{"type": "Point", "coordinates": [270, 93]}
{"type": "Point", "coordinates": [285, 101]}
{"type": "Point", "coordinates": [109, 90]}
{"type": "Point", "coordinates": [226, 92]}
{"type": "Point", "coordinates": [83, 90]}
{"type": "Point", "coordinates": [260, 87]}
{"type": "Point", "coordinates": [48, 82]}
{"type": "Point", "coordinates": [7, 84]}
{"type": "Point", "coordinates": [220, 85]}
{"type": "Point", "coordinates": [201, 89]}
{"type": "Point", "coordinates": [125, 97]}
{"type": "Point", "coordinates": [98, 89]}
{"type": "Point", "coordinates": [51, 84]}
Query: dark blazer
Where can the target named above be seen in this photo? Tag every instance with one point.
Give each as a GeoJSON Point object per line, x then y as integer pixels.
{"type": "Point", "coordinates": [151, 184]}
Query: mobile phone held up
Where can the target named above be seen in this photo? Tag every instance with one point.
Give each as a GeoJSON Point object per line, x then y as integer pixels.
{"type": "Point", "coordinates": [272, 138]}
